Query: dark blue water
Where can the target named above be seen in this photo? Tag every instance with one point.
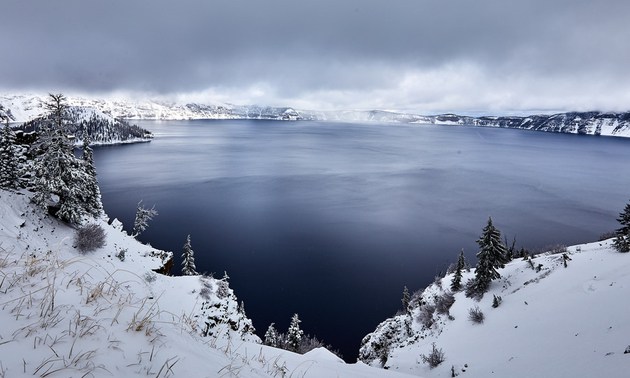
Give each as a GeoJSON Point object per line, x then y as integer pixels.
{"type": "Point", "coordinates": [331, 220]}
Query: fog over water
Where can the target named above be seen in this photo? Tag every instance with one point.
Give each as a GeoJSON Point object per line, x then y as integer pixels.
{"type": "Point", "coordinates": [331, 220]}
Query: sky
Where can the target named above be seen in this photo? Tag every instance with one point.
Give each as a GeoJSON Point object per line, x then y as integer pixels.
{"type": "Point", "coordinates": [420, 56]}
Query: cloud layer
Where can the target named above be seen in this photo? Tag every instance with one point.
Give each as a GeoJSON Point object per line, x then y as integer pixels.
{"type": "Point", "coordinates": [423, 56]}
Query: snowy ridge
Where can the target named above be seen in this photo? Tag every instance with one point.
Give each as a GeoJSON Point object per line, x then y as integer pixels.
{"type": "Point", "coordinates": [553, 322]}
{"type": "Point", "coordinates": [67, 314]}
{"type": "Point", "coordinates": [22, 108]}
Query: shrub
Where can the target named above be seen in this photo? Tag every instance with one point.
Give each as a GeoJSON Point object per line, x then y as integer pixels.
{"type": "Point", "coordinates": [475, 315]}
{"type": "Point", "coordinates": [607, 235]}
{"type": "Point", "coordinates": [444, 302]}
{"type": "Point", "coordinates": [434, 358]}
{"type": "Point", "coordinates": [89, 237]}
{"type": "Point", "coordinates": [150, 277]}
{"type": "Point", "coordinates": [496, 301]}
{"type": "Point", "coordinates": [473, 290]}
{"type": "Point", "coordinates": [121, 254]}
{"type": "Point", "coordinates": [425, 316]}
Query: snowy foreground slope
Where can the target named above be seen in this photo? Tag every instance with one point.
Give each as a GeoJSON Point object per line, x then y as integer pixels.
{"type": "Point", "coordinates": [555, 322]}
{"type": "Point", "coordinates": [63, 314]}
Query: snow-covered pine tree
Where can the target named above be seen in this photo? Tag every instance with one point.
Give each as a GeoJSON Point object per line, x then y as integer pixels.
{"type": "Point", "coordinates": [57, 107]}
{"type": "Point", "coordinates": [456, 282]}
{"type": "Point", "coordinates": [143, 216]}
{"type": "Point", "coordinates": [188, 260]}
{"type": "Point", "coordinates": [405, 300]}
{"type": "Point", "coordinates": [272, 337]}
{"type": "Point", "coordinates": [622, 235]}
{"type": "Point", "coordinates": [294, 335]}
{"type": "Point", "coordinates": [91, 193]}
{"type": "Point", "coordinates": [9, 162]}
{"type": "Point", "coordinates": [491, 257]}
{"type": "Point", "coordinates": [56, 171]}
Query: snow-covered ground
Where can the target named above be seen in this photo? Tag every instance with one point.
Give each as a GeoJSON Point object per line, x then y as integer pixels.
{"type": "Point", "coordinates": [66, 314]}
{"type": "Point", "coordinates": [555, 322]}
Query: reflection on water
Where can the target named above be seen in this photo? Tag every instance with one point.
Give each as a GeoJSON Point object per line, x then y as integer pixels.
{"type": "Point", "coordinates": [332, 220]}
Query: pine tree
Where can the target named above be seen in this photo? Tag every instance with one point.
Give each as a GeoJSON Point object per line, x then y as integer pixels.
{"type": "Point", "coordinates": [9, 162]}
{"type": "Point", "coordinates": [294, 335]}
{"type": "Point", "coordinates": [56, 170]}
{"type": "Point", "coordinates": [91, 192]}
{"type": "Point", "coordinates": [405, 300]}
{"type": "Point", "coordinates": [272, 337]}
{"type": "Point", "coordinates": [188, 260]}
{"type": "Point", "coordinates": [622, 239]}
{"type": "Point", "coordinates": [143, 216]}
{"type": "Point", "coordinates": [57, 107]}
{"type": "Point", "coordinates": [456, 282]}
{"type": "Point", "coordinates": [491, 257]}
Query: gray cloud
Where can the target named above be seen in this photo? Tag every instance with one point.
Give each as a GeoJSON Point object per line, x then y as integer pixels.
{"type": "Point", "coordinates": [416, 55]}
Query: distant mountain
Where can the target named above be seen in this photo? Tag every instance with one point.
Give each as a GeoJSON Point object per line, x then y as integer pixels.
{"type": "Point", "coordinates": [21, 108]}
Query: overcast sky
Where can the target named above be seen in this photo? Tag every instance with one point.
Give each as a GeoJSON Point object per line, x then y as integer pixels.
{"type": "Point", "coordinates": [423, 56]}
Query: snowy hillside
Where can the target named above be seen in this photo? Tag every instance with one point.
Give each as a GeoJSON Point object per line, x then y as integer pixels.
{"type": "Point", "coordinates": [101, 128]}
{"type": "Point", "coordinates": [107, 313]}
{"type": "Point", "coordinates": [552, 322]}
{"type": "Point", "coordinates": [22, 108]}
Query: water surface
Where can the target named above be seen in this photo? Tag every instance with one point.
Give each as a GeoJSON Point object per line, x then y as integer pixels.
{"type": "Point", "coordinates": [331, 220]}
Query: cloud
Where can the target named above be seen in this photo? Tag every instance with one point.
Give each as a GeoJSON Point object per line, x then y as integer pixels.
{"type": "Point", "coordinates": [418, 55]}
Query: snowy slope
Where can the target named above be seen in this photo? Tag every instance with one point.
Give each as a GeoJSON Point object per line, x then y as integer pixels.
{"type": "Point", "coordinates": [64, 314]}
{"type": "Point", "coordinates": [558, 322]}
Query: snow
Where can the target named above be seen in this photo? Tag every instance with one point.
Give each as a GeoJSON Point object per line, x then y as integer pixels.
{"type": "Point", "coordinates": [65, 314]}
{"type": "Point", "coordinates": [559, 322]}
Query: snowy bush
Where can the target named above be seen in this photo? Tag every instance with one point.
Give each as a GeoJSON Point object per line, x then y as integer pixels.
{"type": "Point", "coordinates": [475, 315]}
{"type": "Point", "coordinates": [425, 316]}
{"type": "Point", "coordinates": [121, 254]}
{"type": "Point", "coordinates": [444, 302]}
{"type": "Point", "coordinates": [472, 290]}
{"type": "Point", "coordinates": [627, 351]}
{"type": "Point", "coordinates": [150, 277]}
{"type": "Point", "coordinates": [496, 301]}
{"type": "Point", "coordinates": [89, 237]}
{"type": "Point", "coordinates": [434, 358]}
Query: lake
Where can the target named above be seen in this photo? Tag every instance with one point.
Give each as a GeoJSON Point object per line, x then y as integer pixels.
{"type": "Point", "coordinates": [332, 220]}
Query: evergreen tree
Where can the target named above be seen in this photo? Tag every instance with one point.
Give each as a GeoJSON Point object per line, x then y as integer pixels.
{"type": "Point", "coordinates": [9, 162]}
{"type": "Point", "coordinates": [272, 337]}
{"type": "Point", "coordinates": [294, 335]}
{"type": "Point", "coordinates": [188, 260]}
{"type": "Point", "coordinates": [405, 300]}
{"type": "Point", "coordinates": [511, 251]}
{"type": "Point", "coordinates": [491, 257]}
{"type": "Point", "coordinates": [91, 192]}
{"type": "Point", "coordinates": [57, 107]}
{"type": "Point", "coordinates": [143, 216]}
{"type": "Point", "coordinates": [456, 282]}
{"type": "Point", "coordinates": [622, 239]}
{"type": "Point", "coordinates": [57, 171]}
